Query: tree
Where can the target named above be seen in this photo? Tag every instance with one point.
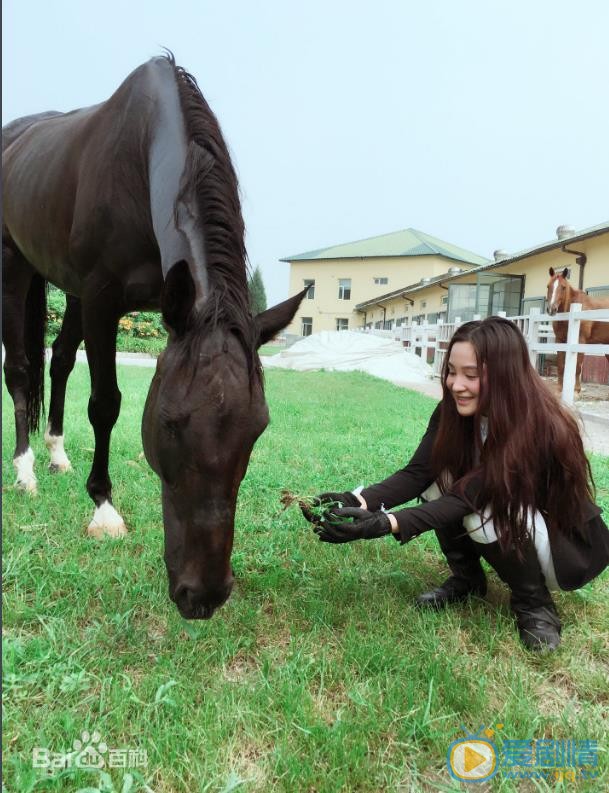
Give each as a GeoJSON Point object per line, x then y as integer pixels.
{"type": "Point", "coordinates": [257, 292]}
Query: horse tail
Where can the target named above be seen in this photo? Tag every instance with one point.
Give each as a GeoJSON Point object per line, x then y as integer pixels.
{"type": "Point", "coordinates": [34, 333]}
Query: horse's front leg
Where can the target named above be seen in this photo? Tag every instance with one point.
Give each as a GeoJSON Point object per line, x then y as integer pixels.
{"type": "Point", "coordinates": [578, 372]}
{"type": "Point", "coordinates": [100, 324]}
{"type": "Point", "coordinates": [62, 363]}
{"type": "Point", "coordinates": [560, 360]}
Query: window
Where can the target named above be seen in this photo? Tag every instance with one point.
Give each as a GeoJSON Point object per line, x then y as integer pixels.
{"type": "Point", "coordinates": [444, 299]}
{"type": "Point", "coordinates": [344, 289]}
{"type": "Point", "coordinates": [310, 282]}
{"type": "Point", "coordinates": [381, 280]}
{"type": "Point", "coordinates": [342, 323]}
{"type": "Point", "coordinates": [598, 291]}
{"type": "Point", "coordinates": [423, 303]}
{"type": "Point", "coordinates": [533, 302]}
{"type": "Point", "coordinates": [306, 326]}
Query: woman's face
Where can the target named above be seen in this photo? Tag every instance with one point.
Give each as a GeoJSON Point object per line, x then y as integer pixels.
{"type": "Point", "coordinates": [463, 379]}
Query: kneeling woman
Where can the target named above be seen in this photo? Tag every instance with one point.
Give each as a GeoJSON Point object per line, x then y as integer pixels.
{"type": "Point", "coordinates": [503, 474]}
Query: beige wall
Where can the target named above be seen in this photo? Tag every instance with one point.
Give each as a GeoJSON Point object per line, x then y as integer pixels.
{"type": "Point", "coordinates": [535, 268]}
{"type": "Point", "coordinates": [326, 307]}
{"type": "Point", "coordinates": [403, 271]}
{"type": "Point", "coordinates": [399, 308]}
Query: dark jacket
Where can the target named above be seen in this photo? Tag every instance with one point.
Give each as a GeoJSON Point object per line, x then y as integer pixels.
{"type": "Point", "coordinates": [577, 559]}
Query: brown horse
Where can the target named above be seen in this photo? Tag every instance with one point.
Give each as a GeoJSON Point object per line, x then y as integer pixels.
{"type": "Point", "coordinates": [559, 298]}
{"type": "Point", "coordinates": [127, 205]}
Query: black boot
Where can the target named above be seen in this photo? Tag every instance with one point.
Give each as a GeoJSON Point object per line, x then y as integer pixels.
{"type": "Point", "coordinates": [538, 623]}
{"type": "Point", "coordinates": [463, 557]}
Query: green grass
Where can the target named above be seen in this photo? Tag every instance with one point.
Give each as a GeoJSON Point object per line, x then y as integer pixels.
{"type": "Point", "coordinates": [318, 674]}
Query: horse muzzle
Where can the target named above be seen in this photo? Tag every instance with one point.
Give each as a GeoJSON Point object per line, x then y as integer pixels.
{"type": "Point", "coordinates": [196, 601]}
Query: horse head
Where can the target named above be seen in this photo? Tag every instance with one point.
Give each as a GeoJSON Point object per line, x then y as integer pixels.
{"type": "Point", "coordinates": [558, 288]}
{"type": "Point", "coordinates": [204, 411]}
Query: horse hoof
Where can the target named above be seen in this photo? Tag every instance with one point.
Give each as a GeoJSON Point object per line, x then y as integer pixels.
{"type": "Point", "coordinates": [60, 468]}
{"type": "Point", "coordinates": [98, 532]}
{"type": "Point", "coordinates": [26, 478]}
{"type": "Point", "coordinates": [59, 459]}
{"type": "Point", "coordinates": [106, 523]}
{"type": "Point", "coordinates": [29, 486]}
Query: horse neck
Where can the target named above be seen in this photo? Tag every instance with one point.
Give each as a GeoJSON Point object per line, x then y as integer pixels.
{"type": "Point", "coordinates": [573, 295]}
{"type": "Point", "coordinates": [177, 230]}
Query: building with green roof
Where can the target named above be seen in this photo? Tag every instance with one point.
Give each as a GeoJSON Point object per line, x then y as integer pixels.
{"type": "Point", "coordinates": [345, 275]}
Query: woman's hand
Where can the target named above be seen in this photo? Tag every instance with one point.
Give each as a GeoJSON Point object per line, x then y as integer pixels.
{"type": "Point", "coordinates": [337, 527]}
{"type": "Point", "coordinates": [326, 504]}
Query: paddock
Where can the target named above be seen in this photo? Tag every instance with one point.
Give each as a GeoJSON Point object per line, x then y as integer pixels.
{"type": "Point", "coordinates": [319, 673]}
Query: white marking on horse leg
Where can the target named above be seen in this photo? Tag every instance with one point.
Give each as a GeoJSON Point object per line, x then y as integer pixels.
{"type": "Point", "coordinates": [106, 522]}
{"type": "Point", "coordinates": [26, 479]}
{"type": "Point", "coordinates": [59, 459]}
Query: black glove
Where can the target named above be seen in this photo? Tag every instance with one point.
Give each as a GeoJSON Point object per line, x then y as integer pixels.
{"type": "Point", "coordinates": [329, 503]}
{"type": "Point", "coordinates": [365, 525]}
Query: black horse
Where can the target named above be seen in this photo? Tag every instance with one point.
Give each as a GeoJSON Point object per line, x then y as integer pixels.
{"type": "Point", "coordinates": [128, 205]}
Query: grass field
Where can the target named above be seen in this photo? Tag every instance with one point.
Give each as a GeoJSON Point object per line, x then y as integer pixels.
{"type": "Point", "coordinates": [318, 674]}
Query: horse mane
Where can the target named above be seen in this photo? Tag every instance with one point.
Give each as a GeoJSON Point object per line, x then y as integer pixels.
{"type": "Point", "coordinates": [209, 170]}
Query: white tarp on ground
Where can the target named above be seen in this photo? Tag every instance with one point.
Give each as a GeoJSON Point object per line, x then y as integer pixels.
{"type": "Point", "coordinates": [346, 351]}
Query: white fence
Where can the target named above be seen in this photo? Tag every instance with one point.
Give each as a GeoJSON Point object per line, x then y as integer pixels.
{"type": "Point", "coordinates": [536, 328]}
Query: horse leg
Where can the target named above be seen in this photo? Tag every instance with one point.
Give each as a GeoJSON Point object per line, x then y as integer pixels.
{"type": "Point", "coordinates": [560, 360]}
{"type": "Point", "coordinates": [17, 277]}
{"type": "Point", "coordinates": [578, 372]}
{"type": "Point", "coordinates": [100, 324]}
{"type": "Point", "coordinates": [62, 363]}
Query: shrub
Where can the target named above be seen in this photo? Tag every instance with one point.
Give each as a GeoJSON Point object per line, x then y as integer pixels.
{"type": "Point", "coordinates": [138, 331]}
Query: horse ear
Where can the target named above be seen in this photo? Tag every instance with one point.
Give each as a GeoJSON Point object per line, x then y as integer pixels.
{"type": "Point", "coordinates": [565, 272]}
{"type": "Point", "coordinates": [178, 297]}
{"type": "Point", "coordinates": [274, 319]}
{"type": "Point", "coordinates": [552, 272]}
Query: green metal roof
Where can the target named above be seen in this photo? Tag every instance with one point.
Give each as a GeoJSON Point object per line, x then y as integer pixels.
{"type": "Point", "coordinates": [408, 242]}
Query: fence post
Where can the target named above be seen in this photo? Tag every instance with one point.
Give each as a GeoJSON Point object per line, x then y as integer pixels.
{"type": "Point", "coordinates": [533, 335]}
{"type": "Point", "coordinates": [424, 343]}
{"type": "Point", "coordinates": [568, 380]}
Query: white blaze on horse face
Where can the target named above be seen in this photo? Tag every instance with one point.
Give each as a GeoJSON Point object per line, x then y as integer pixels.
{"type": "Point", "coordinates": [106, 523]}
{"type": "Point", "coordinates": [553, 305]}
{"type": "Point", "coordinates": [59, 459]}
{"type": "Point", "coordinates": [26, 479]}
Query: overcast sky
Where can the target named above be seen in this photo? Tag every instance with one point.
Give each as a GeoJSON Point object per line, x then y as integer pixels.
{"type": "Point", "coordinates": [482, 122]}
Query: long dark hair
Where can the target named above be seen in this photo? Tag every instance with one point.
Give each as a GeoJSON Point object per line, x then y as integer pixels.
{"type": "Point", "coordinates": [533, 457]}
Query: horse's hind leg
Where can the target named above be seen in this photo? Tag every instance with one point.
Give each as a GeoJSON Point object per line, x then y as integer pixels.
{"type": "Point", "coordinates": [62, 363]}
{"type": "Point", "coordinates": [18, 315]}
{"type": "Point", "coordinates": [100, 324]}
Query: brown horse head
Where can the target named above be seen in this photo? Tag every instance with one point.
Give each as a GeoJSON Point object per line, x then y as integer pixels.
{"type": "Point", "coordinates": [558, 291]}
{"type": "Point", "coordinates": [204, 411]}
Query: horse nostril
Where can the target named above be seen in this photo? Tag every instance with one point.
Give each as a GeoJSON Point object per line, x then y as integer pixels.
{"type": "Point", "coordinates": [196, 601]}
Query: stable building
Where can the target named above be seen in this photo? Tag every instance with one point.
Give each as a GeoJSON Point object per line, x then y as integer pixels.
{"type": "Point", "coordinates": [513, 283]}
{"type": "Point", "coordinates": [409, 276]}
{"type": "Point", "coordinates": [347, 276]}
